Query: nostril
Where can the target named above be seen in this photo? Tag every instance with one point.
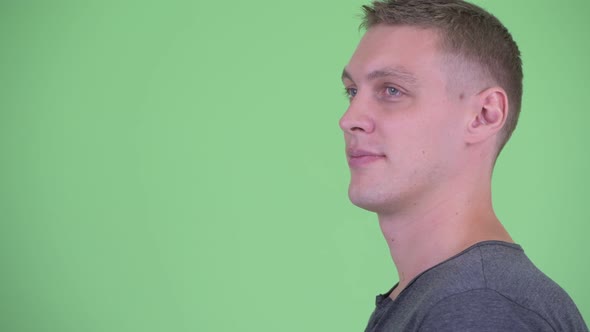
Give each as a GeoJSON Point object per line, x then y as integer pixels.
{"type": "Point", "coordinates": [357, 119]}
{"type": "Point", "coordinates": [355, 124]}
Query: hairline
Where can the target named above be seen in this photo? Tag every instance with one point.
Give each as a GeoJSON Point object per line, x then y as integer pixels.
{"type": "Point", "coordinates": [450, 57]}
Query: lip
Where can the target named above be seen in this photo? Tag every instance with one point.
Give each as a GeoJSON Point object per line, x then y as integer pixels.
{"type": "Point", "coordinates": [359, 157]}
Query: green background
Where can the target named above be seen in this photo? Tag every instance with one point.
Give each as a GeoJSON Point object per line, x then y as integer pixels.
{"type": "Point", "coordinates": [178, 166]}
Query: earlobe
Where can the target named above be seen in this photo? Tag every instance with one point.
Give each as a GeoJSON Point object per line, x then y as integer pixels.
{"type": "Point", "coordinates": [490, 115]}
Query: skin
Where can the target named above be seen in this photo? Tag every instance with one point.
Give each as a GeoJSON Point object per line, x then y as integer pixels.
{"type": "Point", "coordinates": [421, 137]}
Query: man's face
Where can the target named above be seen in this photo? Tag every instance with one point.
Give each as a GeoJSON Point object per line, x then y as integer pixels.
{"type": "Point", "coordinates": [404, 126]}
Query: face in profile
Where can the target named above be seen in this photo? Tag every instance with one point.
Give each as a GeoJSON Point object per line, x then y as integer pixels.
{"type": "Point", "coordinates": [404, 125]}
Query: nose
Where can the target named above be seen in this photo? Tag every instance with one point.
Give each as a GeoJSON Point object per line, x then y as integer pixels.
{"type": "Point", "coordinates": [357, 119]}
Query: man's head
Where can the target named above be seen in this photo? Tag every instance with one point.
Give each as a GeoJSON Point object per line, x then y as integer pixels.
{"type": "Point", "coordinates": [467, 33]}
{"type": "Point", "coordinates": [434, 86]}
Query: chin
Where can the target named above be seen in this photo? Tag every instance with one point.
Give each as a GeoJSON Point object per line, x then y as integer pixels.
{"type": "Point", "coordinates": [379, 198]}
{"type": "Point", "coordinates": [368, 200]}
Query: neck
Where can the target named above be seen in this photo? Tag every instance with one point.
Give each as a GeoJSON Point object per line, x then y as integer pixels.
{"type": "Point", "coordinates": [439, 228]}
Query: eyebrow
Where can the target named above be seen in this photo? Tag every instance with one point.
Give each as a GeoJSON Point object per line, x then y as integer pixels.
{"type": "Point", "coordinates": [398, 73]}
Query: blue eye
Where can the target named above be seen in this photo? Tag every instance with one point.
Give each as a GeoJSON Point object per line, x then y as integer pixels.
{"type": "Point", "coordinates": [350, 92]}
{"type": "Point", "coordinates": [393, 91]}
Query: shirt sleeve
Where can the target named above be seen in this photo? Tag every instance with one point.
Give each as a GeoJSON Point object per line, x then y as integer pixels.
{"type": "Point", "coordinates": [481, 310]}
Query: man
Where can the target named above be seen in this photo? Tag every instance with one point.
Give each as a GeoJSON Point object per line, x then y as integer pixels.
{"type": "Point", "coordinates": [435, 90]}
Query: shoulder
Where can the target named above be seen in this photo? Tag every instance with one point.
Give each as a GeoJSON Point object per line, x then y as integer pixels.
{"type": "Point", "coordinates": [481, 310]}
{"type": "Point", "coordinates": [495, 286]}
{"type": "Point", "coordinates": [518, 280]}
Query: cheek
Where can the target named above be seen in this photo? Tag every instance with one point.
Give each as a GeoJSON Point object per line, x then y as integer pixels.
{"type": "Point", "coordinates": [430, 140]}
{"type": "Point", "coordinates": [443, 143]}
{"type": "Point", "coordinates": [422, 130]}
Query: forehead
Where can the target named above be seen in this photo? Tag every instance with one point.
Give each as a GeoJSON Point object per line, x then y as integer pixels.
{"type": "Point", "coordinates": [411, 49]}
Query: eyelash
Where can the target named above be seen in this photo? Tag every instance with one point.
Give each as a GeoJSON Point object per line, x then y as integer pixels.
{"type": "Point", "coordinates": [348, 94]}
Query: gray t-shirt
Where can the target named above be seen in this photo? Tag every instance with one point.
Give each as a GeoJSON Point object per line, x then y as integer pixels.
{"type": "Point", "coordinates": [491, 286]}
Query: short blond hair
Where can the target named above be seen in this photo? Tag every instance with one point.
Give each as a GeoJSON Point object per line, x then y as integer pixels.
{"type": "Point", "coordinates": [467, 31]}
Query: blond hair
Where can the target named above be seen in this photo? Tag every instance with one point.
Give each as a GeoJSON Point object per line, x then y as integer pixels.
{"type": "Point", "coordinates": [467, 31]}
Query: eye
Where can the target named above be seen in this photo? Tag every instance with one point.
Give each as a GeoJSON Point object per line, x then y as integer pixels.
{"type": "Point", "coordinates": [350, 92]}
{"type": "Point", "coordinates": [391, 91]}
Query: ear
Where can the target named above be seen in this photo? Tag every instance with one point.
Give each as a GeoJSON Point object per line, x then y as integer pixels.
{"type": "Point", "coordinates": [489, 116]}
